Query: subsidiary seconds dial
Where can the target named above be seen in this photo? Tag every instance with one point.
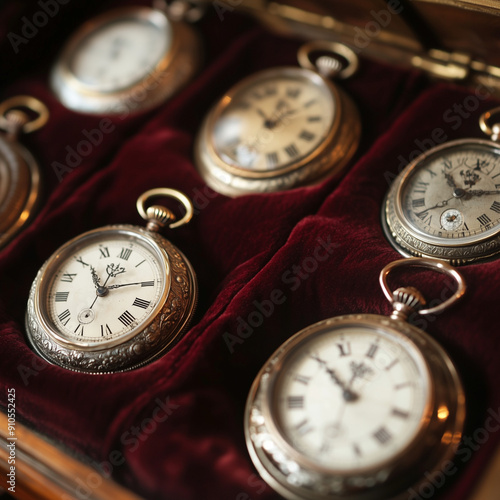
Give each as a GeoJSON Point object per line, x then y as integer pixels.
{"type": "Point", "coordinates": [104, 290]}
{"type": "Point", "coordinates": [455, 195]}
{"type": "Point", "coordinates": [114, 298]}
{"type": "Point", "coordinates": [446, 204]}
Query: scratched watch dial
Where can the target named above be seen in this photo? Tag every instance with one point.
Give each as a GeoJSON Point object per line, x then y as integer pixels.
{"type": "Point", "coordinates": [104, 289]}
{"type": "Point", "coordinates": [446, 204]}
{"type": "Point", "coordinates": [352, 397]}
{"type": "Point", "coordinates": [455, 194]}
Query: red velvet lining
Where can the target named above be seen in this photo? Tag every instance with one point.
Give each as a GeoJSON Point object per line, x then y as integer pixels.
{"type": "Point", "coordinates": [242, 249]}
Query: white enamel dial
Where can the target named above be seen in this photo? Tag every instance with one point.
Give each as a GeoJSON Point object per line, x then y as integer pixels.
{"type": "Point", "coordinates": [120, 53]}
{"type": "Point", "coordinates": [274, 121]}
{"type": "Point", "coordinates": [453, 196]}
{"type": "Point", "coordinates": [103, 288]}
{"type": "Point", "coordinates": [352, 398]}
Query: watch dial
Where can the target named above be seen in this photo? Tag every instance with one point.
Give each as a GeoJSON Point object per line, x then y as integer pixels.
{"type": "Point", "coordinates": [454, 194]}
{"type": "Point", "coordinates": [103, 287]}
{"type": "Point", "coordinates": [352, 397]}
{"type": "Point", "coordinates": [274, 120]}
{"type": "Point", "coordinates": [120, 53]}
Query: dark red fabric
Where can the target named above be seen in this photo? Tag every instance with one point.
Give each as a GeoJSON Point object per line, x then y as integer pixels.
{"type": "Point", "coordinates": [242, 249]}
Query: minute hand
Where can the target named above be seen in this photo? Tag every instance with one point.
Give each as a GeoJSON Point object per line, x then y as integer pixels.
{"type": "Point", "coordinates": [111, 287]}
{"type": "Point", "coordinates": [441, 204]}
{"type": "Point", "coordinates": [480, 192]}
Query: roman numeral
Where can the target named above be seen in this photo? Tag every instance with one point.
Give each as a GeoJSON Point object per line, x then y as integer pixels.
{"type": "Point", "coordinates": [372, 350]}
{"type": "Point", "coordinates": [356, 449]}
{"type": "Point", "coordinates": [61, 296]}
{"type": "Point", "coordinates": [425, 217]}
{"type": "Point", "coordinates": [148, 283]}
{"type": "Point", "coordinates": [104, 252]}
{"type": "Point", "coordinates": [68, 278]}
{"type": "Point", "coordinates": [431, 173]}
{"type": "Point", "coordinates": [77, 328]}
{"type": "Point", "coordinates": [308, 104]}
{"type": "Point", "coordinates": [307, 136]}
{"type": "Point", "coordinates": [126, 318]}
{"type": "Point", "coordinates": [143, 304]}
{"type": "Point", "coordinates": [294, 402]}
{"type": "Point", "coordinates": [484, 220]}
{"type": "Point", "coordinates": [400, 413]}
{"type": "Point", "coordinates": [422, 187]}
{"type": "Point", "coordinates": [80, 260]}
{"type": "Point", "coordinates": [402, 386]}
{"type": "Point", "coordinates": [418, 203]}
{"type": "Point", "coordinates": [303, 427]}
{"type": "Point", "coordinates": [447, 164]}
{"type": "Point", "coordinates": [495, 206]}
{"type": "Point", "coordinates": [382, 435]}
{"type": "Point", "coordinates": [125, 253]}
{"type": "Point", "coordinates": [65, 315]}
{"type": "Point", "coordinates": [302, 379]}
{"type": "Point", "coordinates": [293, 92]}
{"type": "Point", "coordinates": [105, 330]}
{"type": "Point", "coordinates": [344, 349]}
{"type": "Point", "coordinates": [391, 364]}
{"type": "Point", "coordinates": [292, 151]}
{"type": "Point", "coordinates": [271, 159]}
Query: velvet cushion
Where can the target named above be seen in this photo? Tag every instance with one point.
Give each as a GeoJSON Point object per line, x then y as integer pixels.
{"type": "Point", "coordinates": [174, 429]}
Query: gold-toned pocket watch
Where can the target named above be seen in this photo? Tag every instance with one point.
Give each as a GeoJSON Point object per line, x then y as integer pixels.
{"type": "Point", "coordinates": [357, 406]}
{"type": "Point", "coordinates": [114, 298]}
{"type": "Point", "coordinates": [126, 60]}
{"type": "Point", "coordinates": [19, 172]}
{"type": "Point", "coordinates": [283, 127]}
{"type": "Point", "coordinates": [446, 203]}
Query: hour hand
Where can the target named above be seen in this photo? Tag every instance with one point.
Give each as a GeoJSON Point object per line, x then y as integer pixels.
{"type": "Point", "coordinates": [95, 277]}
{"type": "Point", "coordinates": [450, 180]}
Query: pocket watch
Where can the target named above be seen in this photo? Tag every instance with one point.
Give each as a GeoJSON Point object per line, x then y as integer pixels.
{"type": "Point", "coordinates": [19, 172]}
{"type": "Point", "coordinates": [282, 127]}
{"type": "Point", "coordinates": [446, 203]}
{"type": "Point", "coordinates": [127, 59]}
{"type": "Point", "coordinates": [114, 298]}
{"type": "Point", "coordinates": [358, 406]}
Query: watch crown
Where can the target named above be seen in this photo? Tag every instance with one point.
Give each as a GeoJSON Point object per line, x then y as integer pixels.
{"type": "Point", "coordinates": [328, 66]}
{"type": "Point", "coordinates": [405, 301]}
{"type": "Point", "coordinates": [158, 217]}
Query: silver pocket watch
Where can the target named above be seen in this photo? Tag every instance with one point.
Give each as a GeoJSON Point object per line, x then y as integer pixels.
{"type": "Point", "coordinates": [358, 406]}
{"type": "Point", "coordinates": [446, 203]}
{"type": "Point", "coordinates": [114, 298]}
